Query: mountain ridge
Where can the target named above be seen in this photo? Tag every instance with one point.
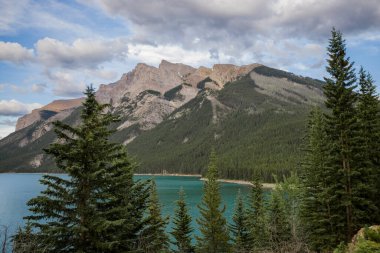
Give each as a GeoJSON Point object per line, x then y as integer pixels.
{"type": "Point", "coordinates": [152, 101]}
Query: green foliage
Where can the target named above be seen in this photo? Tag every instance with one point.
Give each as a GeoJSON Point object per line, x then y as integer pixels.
{"type": "Point", "coordinates": [154, 239]}
{"type": "Point", "coordinates": [239, 228]}
{"type": "Point", "coordinates": [317, 201]}
{"type": "Point", "coordinates": [212, 225]}
{"type": "Point", "coordinates": [367, 247]}
{"type": "Point", "coordinates": [348, 179]}
{"type": "Point", "coordinates": [291, 193]}
{"type": "Point", "coordinates": [91, 210]}
{"type": "Point", "coordinates": [257, 216]}
{"type": "Point", "coordinates": [368, 242]}
{"type": "Point", "coordinates": [341, 169]}
{"type": "Point", "coordinates": [367, 153]}
{"type": "Point", "coordinates": [278, 225]}
{"type": "Point", "coordinates": [182, 230]}
{"type": "Point", "coordinates": [25, 241]}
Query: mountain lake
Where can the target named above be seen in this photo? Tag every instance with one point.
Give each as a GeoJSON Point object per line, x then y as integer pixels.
{"type": "Point", "coordinates": [17, 189]}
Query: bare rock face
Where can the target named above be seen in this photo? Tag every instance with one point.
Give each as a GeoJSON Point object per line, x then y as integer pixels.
{"type": "Point", "coordinates": [144, 77]}
{"type": "Point", "coordinates": [165, 77]}
{"type": "Point", "coordinates": [147, 112]}
{"type": "Point", "coordinates": [224, 73]}
{"type": "Point", "coordinates": [47, 111]}
{"type": "Point", "coordinates": [286, 90]}
{"type": "Point", "coordinates": [45, 127]}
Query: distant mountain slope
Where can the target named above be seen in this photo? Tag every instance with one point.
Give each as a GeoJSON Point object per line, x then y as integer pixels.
{"type": "Point", "coordinates": [173, 115]}
{"type": "Point", "coordinates": [249, 129]}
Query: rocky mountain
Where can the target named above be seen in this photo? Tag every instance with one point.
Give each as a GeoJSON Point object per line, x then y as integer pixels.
{"type": "Point", "coordinates": [48, 111]}
{"type": "Point", "coordinates": [172, 115]}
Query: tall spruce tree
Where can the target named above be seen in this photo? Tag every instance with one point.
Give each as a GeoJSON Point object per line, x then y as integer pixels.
{"type": "Point", "coordinates": [278, 225]}
{"type": "Point", "coordinates": [239, 227]}
{"type": "Point", "coordinates": [123, 213]}
{"type": "Point", "coordinates": [291, 192]}
{"type": "Point", "coordinates": [154, 238]}
{"type": "Point", "coordinates": [182, 230]}
{"type": "Point", "coordinates": [212, 224]}
{"type": "Point", "coordinates": [78, 212]}
{"type": "Point", "coordinates": [367, 155]}
{"type": "Point", "coordinates": [317, 199]}
{"type": "Point", "coordinates": [341, 124]}
{"type": "Point", "coordinates": [256, 217]}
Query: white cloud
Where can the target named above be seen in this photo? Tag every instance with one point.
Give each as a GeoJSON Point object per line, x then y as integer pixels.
{"type": "Point", "coordinates": [82, 53]}
{"type": "Point", "coordinates": [66, 84]}
{"type": "Point", "coordinates": [6, 130]}
{"type": "Point", "coordinates": [13, 107]}
{"type": "Point", "coordinates": [10, 13]}
{"type": "Point", "coordinates": [8, 121]}
{"type": "Point", "coordinates": [239, 31]}
{"type": "Point", "coordinates": [154, 54]}
{"type": "Point", "coordinates": [14, 52]}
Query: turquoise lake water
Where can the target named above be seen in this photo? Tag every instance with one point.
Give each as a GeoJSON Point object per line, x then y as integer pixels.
{"type": "Point", "coordinates": [17, 189]}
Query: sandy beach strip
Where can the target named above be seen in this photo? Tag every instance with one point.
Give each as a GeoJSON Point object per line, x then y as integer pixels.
{"type": "Point", "coordinates": [168, 174]}
{"type": "Point", "coordinates": [243, 182]}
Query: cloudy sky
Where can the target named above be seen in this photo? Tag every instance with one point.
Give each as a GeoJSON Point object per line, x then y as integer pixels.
{"type": "Point", "coordinates": [53, 49]}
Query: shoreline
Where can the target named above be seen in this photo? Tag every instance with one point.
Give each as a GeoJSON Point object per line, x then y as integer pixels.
{"type": "Point", "coordinates": [168, 174]}
{"type": "Point", "coordinates": [230, 181]}
{"type": "Point", "coordinates": [243, 182]}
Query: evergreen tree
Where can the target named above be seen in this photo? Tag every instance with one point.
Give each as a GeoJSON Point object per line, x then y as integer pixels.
{"type": "Point", "coordinates": [25, 241]}
{"type": "Point", "coordinates": [123, 212]}
{"type": "Point", "coordinates": [78, 213]}
{"type": "Point", "coordinates": [341, 124]}
{"type": "Point", "coordinates": [317, 201]}
{"type": "Point", "coordinates": [257, 216]}
{"type": "Point", "coordinates": [279, 227]}
{"type": "Point", "coordinates": [182, 226]}
{"type": "Point", "coordinates": [212, 224]}
{"type": "Point", "coordinates": [291, 192]}
{"type": "Point", "coordinates": [367, 155]}
{"type": "Point", "coordinates": [154, 239]}
{"type": "Point", "coordinates": [239, 228]}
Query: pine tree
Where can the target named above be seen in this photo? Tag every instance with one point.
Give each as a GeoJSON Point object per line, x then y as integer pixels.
{"type": "Point", "coordinates": [182, 229]}
{"type": "Point", "coordinates": [317, 199]}
{"type": "Point", "coordinates": [279, 227]}
{"type": "Point", "coordinates": [239, 228]}
{"type": "Point", "coordinates": [341, 125]}
{"type": "Point", "coordinates": [77, 213]}
{"type": "Point", "coordinates": [154, 239]}
{"type": "Point", "coordinates": [256, 216]}
{"type": "Point", "coordinates": [291, 192]}
{"type": "Point", "coordinates": [367, 153]}
{"type": "Point", "coordinates": [123, 214]}
{"type": "Point", "coordinates": [25, 241]}
{"type": "Point", "coordinates": [212, 224]}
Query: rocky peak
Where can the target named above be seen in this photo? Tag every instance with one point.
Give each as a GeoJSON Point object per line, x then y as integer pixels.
{"type": "Point", "coordinates": [47, 111]}
{"type": "Point", "coordinates": [145, 77]}
{"type": "Point", "coordinates": [223, 73]}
